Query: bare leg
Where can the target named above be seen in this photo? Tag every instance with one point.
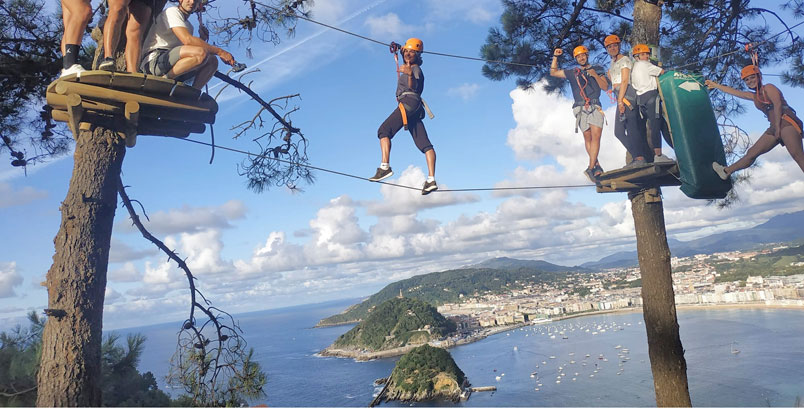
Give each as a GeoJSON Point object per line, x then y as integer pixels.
{"type": "Point", "coordinates": [430, 155]}
{"type": "Point", "coordinates": [77, 14]}
{"type": "Point", "coordinates": [793, 143]}
{"type": "Point", "coordinates": [385, 149]}
{"type": "Point", "coordinates": [764, 144]}
{"type": "Point", "coordinates": [594, 145]}
{"type": "Point", "coordinates": [139, 14]}
{"type": "Point", "coordinates": [190, 57]}
{"type": "Point", "coordinates": [118, 9]}
{"type": "Point", "coordinates": [65, 17]}
{"type": "Point", "coordinates": [206, 72]}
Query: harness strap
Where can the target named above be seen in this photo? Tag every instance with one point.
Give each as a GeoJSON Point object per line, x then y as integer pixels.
{"type": "Point", "coordinates": [792, 122]}
{"type": "Point", "coordinates": [419, 97]}
{"type": "Point", "coordinates": [404, 115]}
{"type": "Point", "coordinates": [578, 76]}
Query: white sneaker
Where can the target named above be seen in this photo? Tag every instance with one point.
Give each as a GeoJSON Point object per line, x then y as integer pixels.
{"type": "Point", "coordinates": [720, 170]}
{"type": "Point", "coordinates": [658, 159]}
{"type": "Point", "coordinates": [74, 69]}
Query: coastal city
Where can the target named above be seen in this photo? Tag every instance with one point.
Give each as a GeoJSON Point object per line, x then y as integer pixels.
{"type": "Point", "coordinates": [696, 283]}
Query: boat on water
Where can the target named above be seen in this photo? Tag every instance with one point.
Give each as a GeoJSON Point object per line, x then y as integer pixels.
{"type": "Point", "coordinates": [734, 350]}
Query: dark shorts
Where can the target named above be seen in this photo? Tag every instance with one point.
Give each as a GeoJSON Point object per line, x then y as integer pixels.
{"type": "Point", "coordinates": [393, 124]}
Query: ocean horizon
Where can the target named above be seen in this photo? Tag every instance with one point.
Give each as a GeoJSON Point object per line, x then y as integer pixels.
{"type": "Point", "coordinates": [735, 357]}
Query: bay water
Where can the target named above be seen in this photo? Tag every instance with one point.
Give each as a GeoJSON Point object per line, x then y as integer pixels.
{"type": "Point", "coordinates": [735, 357]}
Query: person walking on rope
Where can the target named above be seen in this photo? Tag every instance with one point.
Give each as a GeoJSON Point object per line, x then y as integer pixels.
{"type": "Point", "coordinates": [136, 14]}
{"type": "Point", "coordinates": [172, 51]}
{"type": "Point", "coordinates": [643, 79]}
{"type": "Point", "coordinates": [626, 126]}
{"type": "Point", "coordinates": [586, 81]}
{"type": "Point", "coordinates": [409, 114]}
{"type": "Point", "coordinates": [785, 127]}
{"type": "Point", "coordinates": [76, 15]}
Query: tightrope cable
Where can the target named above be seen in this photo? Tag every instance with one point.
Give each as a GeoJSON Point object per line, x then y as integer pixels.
{"type": "Point", "coordinates": [293, 14]}
{"type": "Point", "coordinates": [340, 173]}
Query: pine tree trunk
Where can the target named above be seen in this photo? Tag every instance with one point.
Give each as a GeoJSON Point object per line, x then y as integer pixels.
{"type": "Point", "coordinates": [665, 350]}
{"type": "Point", "coordinates": [70, 370]}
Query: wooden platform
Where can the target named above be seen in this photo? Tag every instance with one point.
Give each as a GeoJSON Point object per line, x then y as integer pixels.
{"type": "Point", "coordinates": [132, 104]}
{"type": "Point", "coordinates": [649, 176]}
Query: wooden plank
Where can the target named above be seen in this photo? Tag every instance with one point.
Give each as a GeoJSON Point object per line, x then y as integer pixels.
{"type": "Point", "coordinates": [98, 78]}
{"type": "Point", "coordinates": [58, 101]}
{"type": "Point", "coordinates": [128, 82]}
{"type": "Point", "coordinates": [95, 92]}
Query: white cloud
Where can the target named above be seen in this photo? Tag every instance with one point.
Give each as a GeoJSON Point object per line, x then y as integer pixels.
{"type": "Point", "coordinates": [127, 273]}
{"type": "Point", "coordinates": [190, 219]}
{"type": "Point", "coordinates": [9, 279]}
{"type": "Point", "coordinates": [398, 201]}
{"type": "Point", "coordinates": [476, 11]}
{"type": "Point", "coordinates": [121, 252]}
{"type": "Point", "coordinates": [465, 91]}
{"type": "Point", "coordinates": [389, 26]}
{"type": "Point", "coordinates": [9, 197]}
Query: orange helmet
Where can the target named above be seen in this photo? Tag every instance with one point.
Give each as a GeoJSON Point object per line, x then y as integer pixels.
{"type": "Point", "coordinates": [640, 49]}
{"type": "Point", "coordinates": [414, 44]}
{"type": "Point", "coordinates": [611, 39]}
{"type": "Point", "coordinates": [749, 70]}
{"type": "Point", "coordinates": [579, 50]}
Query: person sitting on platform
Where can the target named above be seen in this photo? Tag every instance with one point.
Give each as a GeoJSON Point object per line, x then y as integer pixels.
{"type": "Point", "coordinates": [785, 127]}
{"type": "Point", "coordinates": [76, 15]}
{"type": "Point", "coordinates": [626, 126]}
{"type": "Point", "coordinates": [586, 81]}
{"type": "Point", "coordinates": [137, 13]}
{"type": "Point", "coordinates": [171, 50]}
{"type": "Point", "coordinates": [643, 79]}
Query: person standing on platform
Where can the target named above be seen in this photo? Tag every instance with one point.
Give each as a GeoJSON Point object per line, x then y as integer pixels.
{"type": "Point", "coordinates": [136, 14]}
{"type": "Point", "coordinates": [785, 127]}
{"type": "Point", "coordinates": [586, 81]}
{"type": "Point", "coordinates": [643, 78]}
{"type": "Point", "coordinates": [626, 126]}
{"type": "Point", "coordinates": [409, 113]}
{"type": "Point", "coordinates": [76, 15]}
{"type": "Point", "coordinates": [172, 51]}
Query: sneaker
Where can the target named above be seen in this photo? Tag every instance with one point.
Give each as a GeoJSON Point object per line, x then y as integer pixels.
{"type": "Point", "coordinates": [429, 187]}
{"type": "Point", "coordinates": [74, 69]}
{"type": "Point", "coordinates": [107, 64]}
{"type": "Point", "coordinates": [590, 174]}
{"type": "Point", "coordinates": [720, 170]}
{"type": "Point", "coordinates": [659, 159]}
{"type": "Point", "coordinates": [382, 174]}
{"type": "Point", "coordinates": [636, 163]}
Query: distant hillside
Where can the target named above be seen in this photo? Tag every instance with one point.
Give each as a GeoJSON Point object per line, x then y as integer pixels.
{"type": "Point", "coordinates": [781, 228]}
{"type": "Point", "coordinates": [438, 288]}
{"type": "Point", "coordinates": [511, 263]}
{"type": "Point", "coordinates": [396, 323]}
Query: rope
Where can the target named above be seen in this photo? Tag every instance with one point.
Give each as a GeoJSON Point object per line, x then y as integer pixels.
{"type": "Point", "coordinates": [340, 173]}
{"type": "Point", "coordinates": [293, 14]}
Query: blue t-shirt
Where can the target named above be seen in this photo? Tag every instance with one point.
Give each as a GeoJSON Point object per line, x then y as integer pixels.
{"type": "Point", "coordinates": [580, 79]}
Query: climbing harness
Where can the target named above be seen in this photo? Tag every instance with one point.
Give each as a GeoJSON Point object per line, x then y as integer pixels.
{"type": "Point", "coordinates": [587, 102]}
{"type": "Point", "coordinates": [416, 45]}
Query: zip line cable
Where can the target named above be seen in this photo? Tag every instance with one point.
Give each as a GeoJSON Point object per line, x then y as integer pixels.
{"type": "Point", "coordinates": [340, 173]}
{"type": "Point", "coordinates": [292, 14]}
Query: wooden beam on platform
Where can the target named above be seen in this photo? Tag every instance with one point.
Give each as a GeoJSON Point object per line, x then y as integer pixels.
{"type": "Point", "coordinates": [64, 87]}
{"type": "Point", "coordinates": [75, 112]}
{"type": "Point", "coordinates": [132, 119]}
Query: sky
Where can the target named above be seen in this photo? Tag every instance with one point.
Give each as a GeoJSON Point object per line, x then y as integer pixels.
{"type": "Point", "coordinates": [347, 238]}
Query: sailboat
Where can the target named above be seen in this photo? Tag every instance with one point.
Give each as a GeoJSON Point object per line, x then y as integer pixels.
{"type": "Point", "coordinates": [733, 349]}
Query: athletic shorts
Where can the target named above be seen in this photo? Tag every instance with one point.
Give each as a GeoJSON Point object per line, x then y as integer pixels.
{"type": "Point", "coordinates": [588, 116]}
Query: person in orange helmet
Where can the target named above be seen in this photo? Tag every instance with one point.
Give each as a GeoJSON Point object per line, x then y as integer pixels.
{"type": "Point", "coordinates": [626, 126]}
{"type": "Point", "coordinates": [410, 86]}
{"type": "Point", "coordinates": [785, 127]}
{"type": "Point", "coordinates": [586, 81]}
{"type": "Point", "coordinates": [644, 80]}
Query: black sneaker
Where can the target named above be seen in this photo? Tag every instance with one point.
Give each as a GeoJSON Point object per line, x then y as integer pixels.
{"type": "Point", "coordinates": [590, 174]}
{"type": "Point", "coordinates": [107, 64]}
{"type": "Point", "coordinates": [429, 187]}
{"type": "Point", "coordinates": [382, 174]}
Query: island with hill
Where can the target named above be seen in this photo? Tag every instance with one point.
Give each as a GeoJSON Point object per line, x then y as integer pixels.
{"type": "Point", "coordinates": [392, 328]}
{"type": "Point", "coordinates": [425, 374]}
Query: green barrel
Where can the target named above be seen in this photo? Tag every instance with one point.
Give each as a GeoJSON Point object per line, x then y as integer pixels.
{"type": "Point", "coordinates": [694, 130]}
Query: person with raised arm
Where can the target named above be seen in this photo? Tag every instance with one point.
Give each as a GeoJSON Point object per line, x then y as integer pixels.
{"type": "Point", "coordinates": [785, 127]}
{"type": "Point", "coordinates": [586, 81]}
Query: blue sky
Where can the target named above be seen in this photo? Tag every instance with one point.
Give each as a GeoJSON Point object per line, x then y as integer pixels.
{"type": "Point", "coordinates": [344, 237]}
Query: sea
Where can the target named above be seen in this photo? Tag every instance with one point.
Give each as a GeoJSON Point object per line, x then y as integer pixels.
{"type": "Point", "coordinates": [735, 357]}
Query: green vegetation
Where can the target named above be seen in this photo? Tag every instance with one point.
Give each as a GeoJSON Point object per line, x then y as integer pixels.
{"type": "Point", "coordinates": [419, 371]}
{"type": "Point", "coordinates": [447, 287]}
{"type": "Point", "coordinates": [122, 384]}
{"type": "Point", "coordinates": [779, 263]}
{"type": "Point", "coordinates": [396, 323]}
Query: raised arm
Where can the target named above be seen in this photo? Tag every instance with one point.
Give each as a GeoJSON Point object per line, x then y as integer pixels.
{"type": "Point", "coordinates": [554, 71]}
{"type": "Point", "coordinates": [729, 90]}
